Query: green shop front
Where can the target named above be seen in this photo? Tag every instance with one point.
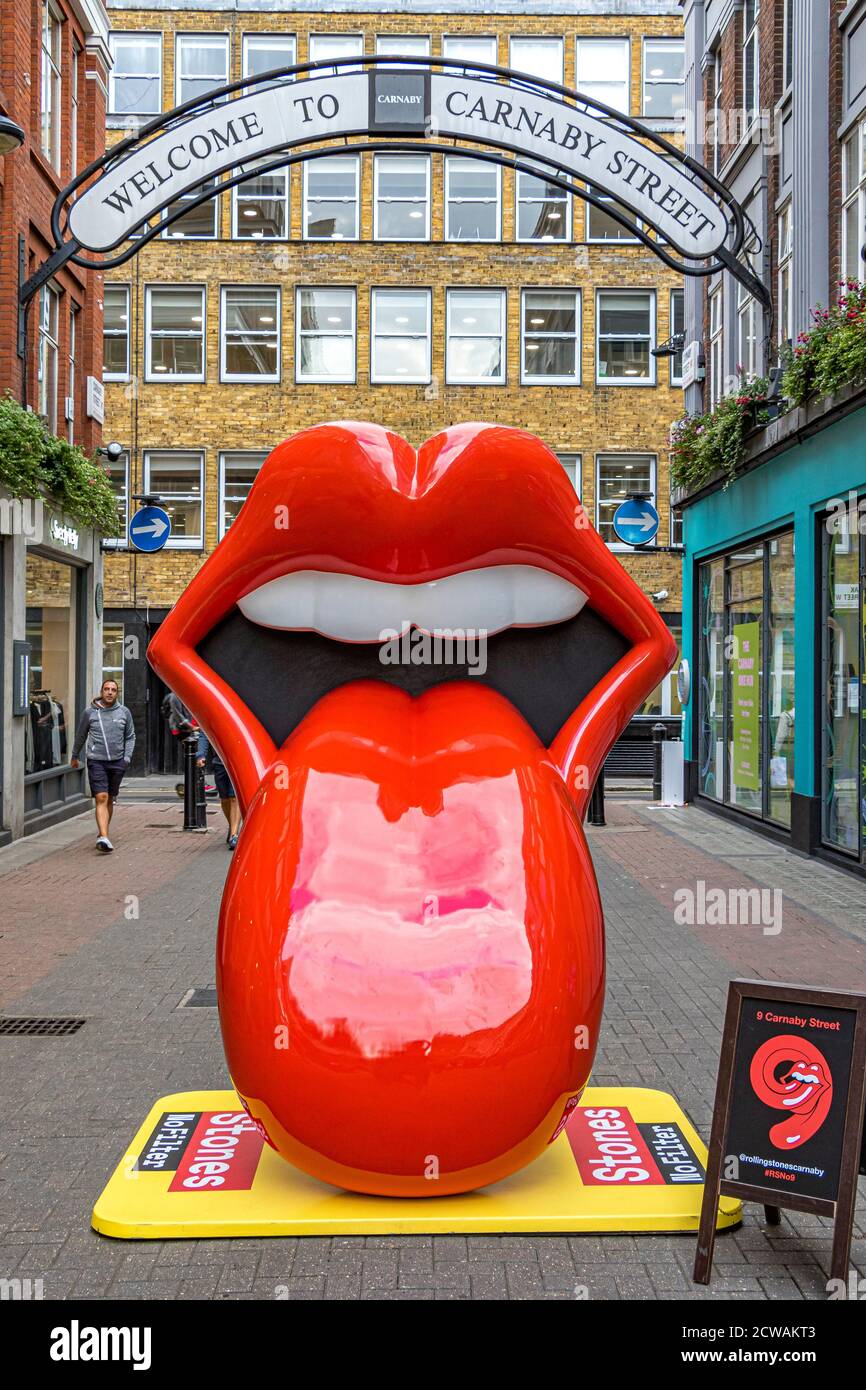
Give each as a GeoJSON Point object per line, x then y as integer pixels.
{"type": "Point", "coordinates": [774, 619]}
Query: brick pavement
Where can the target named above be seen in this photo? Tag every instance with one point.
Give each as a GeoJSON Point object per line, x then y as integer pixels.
{"type": "Point", "coordinates": [69, 1106]}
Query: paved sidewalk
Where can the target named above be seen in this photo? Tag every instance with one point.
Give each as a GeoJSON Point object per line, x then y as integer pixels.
{"type": "Point", "coordinates": [121, 939]}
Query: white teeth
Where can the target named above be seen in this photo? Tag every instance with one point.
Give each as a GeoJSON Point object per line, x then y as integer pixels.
{"type": "Point", "coordinates": [349, 609]}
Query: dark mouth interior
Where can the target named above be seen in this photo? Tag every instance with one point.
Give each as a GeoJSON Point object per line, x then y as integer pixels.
{"type": "Point", "coordinates": [545, 671]}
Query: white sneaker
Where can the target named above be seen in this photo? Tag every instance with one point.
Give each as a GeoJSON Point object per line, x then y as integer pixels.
{"type": "Point", "coordinates": [104, 844]}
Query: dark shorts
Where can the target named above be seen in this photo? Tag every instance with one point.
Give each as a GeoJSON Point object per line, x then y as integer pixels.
{"type": "Point", "coordinates": [223, 781]}
{"type": "Point", "coordinates": [104, 776]}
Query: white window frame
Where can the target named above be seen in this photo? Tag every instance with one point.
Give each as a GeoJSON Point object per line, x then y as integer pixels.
{"type": "Point", "coordinates": [72, 365]}
{"type": "Point", "coordinates": [459, 42]}
{"type": "Point", "coordinates": [625, 86]}
{"type": "Point", "coordinates": [425, 201]}
{"type": "Point", "coordinates": [747, 334]}
{"type": "Point", "coordinates": [121, 542]}
{"type": "Point", "coordinates": [115, 76]}
{"type": "Point", "coordinates": [314, 377]}
{"type": "Point", "coordinates": [451, 296]}
{"type": "Point", "coordinates": [528, 331]}
{"type": "Point", "coordinates": [308, 165]}
{"type": "Point", "coordinates": [356, 41]}
{"type": "Point", "coordinates": [275, 332]}
{"type": "Point", "coordinates": [614, 454]}
{"type": "Point", "coordinates": [622, 240]}
{"type": "Point", "coordinates": [74, 78]}
{"type": "Point", "coordinates": [226, 457]}
{"type": "Point", "coordinates": [378, 293]}
{"type": "Point", "coordinates": [50, 82]}
{"type": "Point", "coordinates": [523, 199]}
{"type": "Point", "coordinates": [496, 170]}
{"type": "Point", "coordinates": [48, 361]}
{"type": "Point", "coordinates": [419, 47]}
{"type": "Point", "coordinates": [198, 35]}
{"type": "Point", "coordinates": [551, 41]}
{"type": "Point", "coordinates": [786, 272]}
{"type": "Point", "coordinates": [201, 333]}
{"type": "Point", "coordinates": [117, 333]}
{"type": "Point", "coordinates": [854, 198]}
{"type": "Point", "coordinates": [176, 542]}
{"type": "Point", "coordinates": [751, 53]}
{"type": "Point", "coordinates": [575, 461]}
{"type": "Point", "coordinates": [647, 82]}
{"type": "Point", "coordinates": [631, 382]}
{"type": "Point", "coordinates": [716, 355]}
{"type": "Point", "coordinates": [265, 41]}
{"type": "Point", "coordinates": [676, 377]}
{"type": "Point", "coordinates": [170, 231]}
{"type": "Point", "coordinates": [239, 197]}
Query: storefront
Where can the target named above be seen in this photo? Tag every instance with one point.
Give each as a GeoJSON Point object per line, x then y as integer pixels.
{"type": "Point", "coordinates": [51, 601]}
{"type": "Point", "coordinates": [774, 606]}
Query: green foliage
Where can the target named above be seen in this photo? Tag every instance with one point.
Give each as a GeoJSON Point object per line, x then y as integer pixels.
{"type": "Point", "coordinates": [833, 353]}
{"type": "Point", "coordinates": [34, 462]}
{"type": "Point", "coordinates": [703, 445]}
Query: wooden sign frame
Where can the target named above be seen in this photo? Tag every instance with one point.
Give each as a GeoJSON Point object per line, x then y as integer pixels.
{"type": "Point", "coordinates": [773, 1199]}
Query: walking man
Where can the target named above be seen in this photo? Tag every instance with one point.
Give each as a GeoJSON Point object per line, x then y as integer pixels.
{"type": "Point", "coordinates": [107, 729]}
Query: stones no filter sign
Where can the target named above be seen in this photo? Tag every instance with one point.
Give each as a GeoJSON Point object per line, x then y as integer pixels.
{"type": "Point", "coordinates": [529, 123]}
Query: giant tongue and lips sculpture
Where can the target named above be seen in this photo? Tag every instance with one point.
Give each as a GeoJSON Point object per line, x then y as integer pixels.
{"type": "Point", "coordinates": [410, 964]}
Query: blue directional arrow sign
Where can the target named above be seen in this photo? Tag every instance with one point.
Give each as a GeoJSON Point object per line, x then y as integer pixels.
{"type": "Point", "coordinates": [149, 529]}
{"type": "Point", "coordinates": [636, 522]}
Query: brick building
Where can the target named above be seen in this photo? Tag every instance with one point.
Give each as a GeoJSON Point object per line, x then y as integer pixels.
{"type": "Point", "coordinates": [778, 88]}
{"type": "Point", "coordinates": [412, 290]}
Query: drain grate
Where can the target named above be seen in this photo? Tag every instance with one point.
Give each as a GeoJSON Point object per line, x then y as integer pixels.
{"type": "Point", "coordinates": [199, 999]}
{"type": "Point", "coordinates": [40, 1027]}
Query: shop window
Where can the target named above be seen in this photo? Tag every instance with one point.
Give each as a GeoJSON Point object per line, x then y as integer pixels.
{"type": "Point", "coordinates": [475, 348]}
{"type": "Point", "coordinates": [543, 210]}
{"type": "Point", "coordinates": [118, 477]}
{"type": "Point", "coordinates": [619, 476]}
{"type": "Point", "coordinates": [711, 687]}
{"type": "Point", "coordinates": [115, 333]}
{"type": "Point", "coordinates": [854, 205]}
{"type": "Point", "coordinates": [402, 46]}
{"type": "Point", "coordinates": [400, 346]}
{"type": "Point", "coordinates": [625, 338]}
{"type": "Point", "coordinates": [841, 689]}
{"type": "Point", "coordinates": [550, 337]}
{"type": "Point", "coordinates": [331, 198]}
{"type": "Point", "coordinates": [175, 332]}
{"type": "Point", "coordinates": [473, 199]}
{"type": "Point", "coordinates": [250, 333]}
{"type": "Point", "coordinates": [664, 75]}
{"type": "Point", "coordinates": [323, 46]}
{"type": "Point", "coordinates": [537, 57]}
{"type": "Point", "coordinates": [678, 328]}
{"type": "Point", "coordinates": [238, 472]}
{"type": "Point", "coordinates": [201, 65]}
{"type": "Point", "coordinates": [176, 477]}
{"type": "Point", "coordinates": [260, 205]}
{"type": "Point", "coordinates": [264, 52]}
{"type": "Point", "coordinates": [572, 463]}
{"type": "Point", "coordinates": [46, 369]}
{"type": "Point", "coordinates": [112, 655]}
{"type": "Point", "coordinates": [135, 85]}
{"type": "Point", "coordinates": [780, 678]}
{"type": "Point", "coordinates": [325, 334]}
{"type": "Point", "coordinates": [52, 631]}
{"type": "Point", "coordinates": [745, 669]}
{"type": "Point", "coordinates": [471, 49]}
{"type": "Point", "coordinates": [50, 85]}
{"type": "Point", "coordinates": [401, 200]}
{"type": "Point", "coordinates": [602, 71]}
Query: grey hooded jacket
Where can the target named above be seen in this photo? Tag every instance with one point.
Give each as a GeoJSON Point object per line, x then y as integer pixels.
{"type": "Point", "coordinates": [109, 732]}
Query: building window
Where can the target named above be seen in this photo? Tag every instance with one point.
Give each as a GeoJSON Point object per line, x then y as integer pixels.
{"type": "Point", "coordinates": [50, 87]}
{"type": "Point", "coordinates": [118, 477]}
{"type": "Point", "coordinates": [400, 336]}
{"type": "Point", "coordinates": [176, 477]}
{"type": "Point", "coordinates": [840, 708]}
{"type": "Point", "coordinates": [626, 337]}
{"type": "Point", "coordinates": [115, 333]}
{"type": "Point", "coordinates": [238, 472]}
{"type": "Point", "coordinates": [572, 463]}
{"type": "Point", "coordinates": [260, 206]}
{"type": "Point", "coordinates": [788, 46]}
{"type": "Point", "coordinates": [199, 223]}
{"type": "Point", "coordinates": [49, 311]}
{"type": "Point", "coordinates": [331, 198]}
{"type": "Point", "coordinates": [617, 477]}
{"type": "Point", "coordinates": [136, 76]}
{"type": "Point", "coordinates": [602, 71]}
{"type": "Point", "coordinates": [550, 337]}
{"type": "Point", "coordinates": [601, 226]}
{"type": "Point", "coordinates": [250, 337]}
{"type": "Point", "coordinates": [475, 347]}
{"type": "Point", "coordinates": [325, 334]}
{"type": "Point", "coordinates": [664, 76]}
{"type": "Point", "coordinates": [71, 371]}
{"type": "Point", "coordinates": [543, 210]}
{"type": "Point", "coordinates": [747, 335]}
{"type": "Point", "coordinates": [678, 329]}
{"type": "Point", "coordinates": [264, 52]}
{"type": "Point", "coordinates": [538, 57]}
{"type": "Point", "coordinates": [201, 65]}
{"type": "Point", "coordinates": [112, 655]}
{"type": "Point", "coordinates": [786, 275]}
{"type": "Point", "coordinates": [751, 66]}
{"type": "Point", "coordinates": [717, 347]}
{"type": "Point", "coordinates": [401, 200]}
{"type": "Point", "coordinates": [175, 332]}
{"type": "Point", "coordinates": [676, 525]}
{"type": "Point", "coordinates": [402, 46]}
{"type": "Point", "coordinates": [473, 198]}
{"type": "Point", "coordinates": [854, 210]}
{"type": "Point", "coordinates": [323, 46]}
{"type": "Point", "coordinates": [470, 49]}
{"type": "Point", "coordinates": [75, 72]}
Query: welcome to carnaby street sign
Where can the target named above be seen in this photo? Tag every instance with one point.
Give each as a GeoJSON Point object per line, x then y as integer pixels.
{"type": "Point", "coordinates": [688, 219]}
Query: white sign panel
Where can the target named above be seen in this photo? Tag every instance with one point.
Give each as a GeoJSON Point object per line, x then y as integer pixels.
{"type": "Point", "coordinates": [691, 359]}
{"type": "Point", "coordinates": [95, 399]}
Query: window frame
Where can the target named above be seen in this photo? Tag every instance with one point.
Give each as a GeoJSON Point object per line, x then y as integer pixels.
{"type": "Point", "coordinates": [854, 197]}
{"type": "Point", "coordinates": [716, 340]}
{"type": "Point", "coordinates": [51, 83]}
{"type": "Point", "coordinates": [224, 456]}
{"type": "Point", "coordinates": [120, 542]}
{"type": "Point", "coordinates": [590, 208]}
{"type": "Point", "coordinates": [660, 39]}
{"type": "Point", "coordinates": [116, 333]}
{"type": "Point", "coordinates": [48, 353]}
{"type": "Point", "coordinates": [676, 378]}
{"type": "Point", "coordinates": [72, 369]}
{"type": "Point", "coordinates": [652, 338]}
{"type": "Point", "coordinates": [379, 379]}
{"type": "Point", "coordinates": [427, 200]}
{"type": "Point", "coordinates": [175, 542]}
{"type": "Point", "coordinates": [170, 231]}
{"type": "Point", "coordinates": [577, 481]}
{"type": "Point", "coordinates": [591, 39]}
{"type": "Point", "coordinates": [653, 460]}
{"type": "Point", "coordinates": [456, 69]}
{"type": "Point", "coordinates": [74, 106]}
{"type": "Point", "coordinates": [254, 379]}
{"type": "Point", "coordinates": [238, 197]}
{"type": "Point", "coordinates": [305, 197]}
{"type": "Point", "coordinates": [453, 292]}
{"type": "Point", "coordinates": [314, 379]}
{"type": "Point", "coordinates": [400, 38]}
{"type": "Point", "coordinates": [149, 374]}
{"type": "Point", "coordinates": [531, 379]}
{"type": "Point", "coordinates": [531, 78]}
{"type": "Point", "coordinates": [785, 281]}
{"type": "Point", "coordinates": [156, 36]}
{"type": "Point", "coordinates": [332, 72]}
{"type": "Point", "coordinates": [519, 200]}
{"type": "Point", "coordinates": [496, 170]}
{"type": "Point", "coordinates": [199, 34]}
{"type": "Point", "coordinates": [262, 38]}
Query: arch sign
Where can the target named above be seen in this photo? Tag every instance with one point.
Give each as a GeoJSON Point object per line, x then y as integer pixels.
{"type": "Point", "coordinates": [686, 216]}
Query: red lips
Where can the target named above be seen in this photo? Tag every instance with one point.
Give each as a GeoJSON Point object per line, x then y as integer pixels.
{"type": "Point", "coordinates": [410, 964]}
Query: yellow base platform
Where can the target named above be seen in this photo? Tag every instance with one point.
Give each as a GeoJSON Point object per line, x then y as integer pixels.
{"type": "Point", "coordinates": [628, 1160]}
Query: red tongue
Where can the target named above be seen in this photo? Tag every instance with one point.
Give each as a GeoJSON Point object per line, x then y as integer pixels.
{"type": "Point", "coordinates": [431, 942]}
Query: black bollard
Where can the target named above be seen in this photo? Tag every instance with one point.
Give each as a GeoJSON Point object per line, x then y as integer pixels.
{"type": "Point", "coordinates": [193, 786]}
{"type": "Point", "coordinates": [660, 733]}
{"type": "Point", "coordinates": [596, 801]}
